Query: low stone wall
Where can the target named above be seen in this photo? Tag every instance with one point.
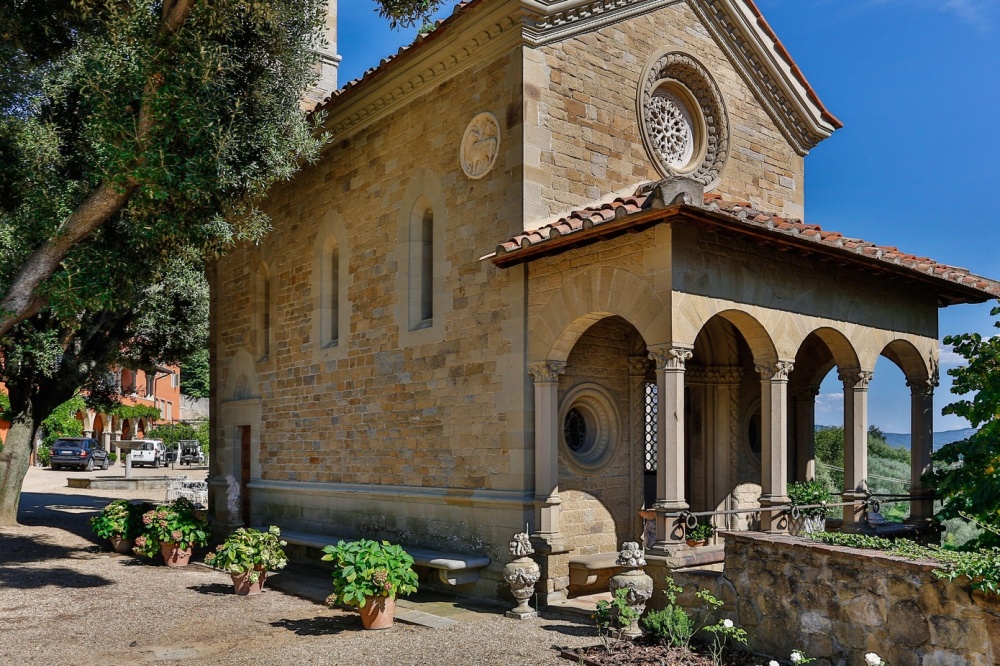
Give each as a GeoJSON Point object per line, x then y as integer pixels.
{"type": "Point", "coordinates": [839, 603]}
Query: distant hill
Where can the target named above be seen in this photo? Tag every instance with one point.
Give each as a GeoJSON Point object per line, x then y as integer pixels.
{"type": "Point", "coordinates": [902, 440]}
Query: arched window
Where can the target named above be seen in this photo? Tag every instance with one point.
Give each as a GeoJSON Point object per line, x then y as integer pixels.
{"type": "Point", "coordinates": [330, 293]}
{"type": "Point", "coordinates": [421, 265]}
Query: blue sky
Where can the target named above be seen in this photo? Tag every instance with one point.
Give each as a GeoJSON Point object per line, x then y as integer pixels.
{"type": "Point", "coordinates": [917, 164]}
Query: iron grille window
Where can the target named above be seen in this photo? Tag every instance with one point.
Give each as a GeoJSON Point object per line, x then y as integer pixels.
{"type": "Point", "coordinates": [650, 434]}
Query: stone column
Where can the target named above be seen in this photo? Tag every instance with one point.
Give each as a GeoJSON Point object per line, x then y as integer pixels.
{"type": "Point", "coordinates": [547, 501]}
{"type": "Point", "coordinates": [774, 442]}
{"type": "Point", "coordinates": [921, 447]}
{"type": "Point", "coordinates": [805, 432]}
{"type": "Point", "coordinates": [670, 497]}
{"type": "Point", "coordinates": [855, 441]}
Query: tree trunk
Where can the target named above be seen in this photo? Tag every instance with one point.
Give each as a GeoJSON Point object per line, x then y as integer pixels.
{"type": "Point", "coordinates": [14, 460]}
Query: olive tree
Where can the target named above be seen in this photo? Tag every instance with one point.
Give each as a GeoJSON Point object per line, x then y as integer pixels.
{"type": "Point", "coordinates": [967, 473]}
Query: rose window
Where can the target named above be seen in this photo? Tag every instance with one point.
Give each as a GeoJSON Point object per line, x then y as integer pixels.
{"type": "Point", "coordinates": [671, 128]}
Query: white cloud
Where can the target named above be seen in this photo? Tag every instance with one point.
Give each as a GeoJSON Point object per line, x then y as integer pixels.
{"type": "Point", "coordinates": [949, 358]}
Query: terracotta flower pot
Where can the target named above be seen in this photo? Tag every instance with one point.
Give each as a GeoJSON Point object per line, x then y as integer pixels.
{"type": "Point", "coordinates": [122, 546]}
{"type": "Point", "coordinates": [697, 543]}
{"type": "Point", "coordinates": [174, 556]}
{"type": "Point", "coordinates": [377, 613]}
{"type": "Point", "coordinates": [243, 587]}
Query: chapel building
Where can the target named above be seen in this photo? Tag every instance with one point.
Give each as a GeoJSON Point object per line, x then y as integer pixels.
{"type": "Point", "coordinates": [552, 270]}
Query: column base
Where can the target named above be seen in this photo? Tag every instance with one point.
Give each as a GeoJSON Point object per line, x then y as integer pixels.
{"type": "Point", "coordinates": [550, 543]}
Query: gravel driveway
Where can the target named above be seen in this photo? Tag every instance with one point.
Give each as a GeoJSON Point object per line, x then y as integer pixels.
{"type": "Point", "coordinates": [65, 600]}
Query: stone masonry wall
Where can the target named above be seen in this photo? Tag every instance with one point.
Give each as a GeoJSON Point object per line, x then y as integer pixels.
{"type": "Point", "coordinates": [443, 409]}
{"type": "Point", "coordinates": [837, 604]}
{"type": "Point", "coordinates": [582, 131]}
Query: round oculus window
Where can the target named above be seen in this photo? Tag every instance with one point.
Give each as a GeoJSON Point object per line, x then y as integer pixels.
{"type": "Point", "coordinates": [682, 119]}
{"type": "Point", "coordinates": [589, 427]}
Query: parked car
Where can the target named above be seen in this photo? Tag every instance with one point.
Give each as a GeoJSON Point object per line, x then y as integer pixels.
{"type": "Point", "coordinates": [170, 456]}
{"type": "Point", "coordinates": [80, 452]}
{"type": "Point", "coordinates": [191, 453]}
{"type": "Point", "coordinates": [149, 452]}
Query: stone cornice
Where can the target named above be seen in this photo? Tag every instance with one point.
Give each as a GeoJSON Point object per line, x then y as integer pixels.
{"type": "Point", "coordinates": [484, 30]}
{"type": "Point", "coordinates": [757, 57]}
{"type": "Point", "coordinates": [488, 30]}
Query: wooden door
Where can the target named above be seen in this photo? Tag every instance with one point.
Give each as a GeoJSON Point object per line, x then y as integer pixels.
{"type": "Point", "coordinates": [245, 474]}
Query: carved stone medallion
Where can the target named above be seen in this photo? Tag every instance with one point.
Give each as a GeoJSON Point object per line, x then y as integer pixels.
{"type": "Point", "coordinates": [480, 145]}
{"type": "Point", "coordinates": [683, 119]}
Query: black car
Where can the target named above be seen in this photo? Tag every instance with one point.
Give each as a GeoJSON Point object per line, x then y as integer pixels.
{"type": "Point", "coordinates": [80, 452]}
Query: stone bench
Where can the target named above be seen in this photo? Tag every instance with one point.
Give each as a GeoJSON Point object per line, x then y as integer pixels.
{"type": "Point", "coordinates": [587, 570]}
{"type": "Point", "coordinates": [452, 568]}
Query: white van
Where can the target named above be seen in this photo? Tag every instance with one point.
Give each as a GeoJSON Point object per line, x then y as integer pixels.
{"type": "Point", "coordinates": [147, 452]}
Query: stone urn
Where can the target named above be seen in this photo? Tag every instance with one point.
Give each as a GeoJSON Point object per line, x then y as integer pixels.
{"type": "Point", "coordinates": [521, 575]}
{"type": "Point", "coordinates": [636, 581]}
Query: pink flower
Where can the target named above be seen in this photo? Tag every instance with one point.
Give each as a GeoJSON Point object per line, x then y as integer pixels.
{"type": "Point", "coordinates": [176, 535]}
{"type": "Point", "coordinates": [147, 519]}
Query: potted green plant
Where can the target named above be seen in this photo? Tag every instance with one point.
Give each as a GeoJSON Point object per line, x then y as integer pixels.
{"type": "Point", "coordinates": [247, 555]}
{"type": "Point", "coordinates": [173, 530]}
{"type": "Point", "coordinates": [699, 534]}
{"type": "Point", "coordinates": [370, 575]}
{"type": "Point", "coordinates": [811, 494]}
{"type": "Point", "coordinates": [120, 522]}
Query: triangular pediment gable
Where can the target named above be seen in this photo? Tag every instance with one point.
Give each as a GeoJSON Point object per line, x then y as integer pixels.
{"type": "Point", "coordinates": [739, 29]}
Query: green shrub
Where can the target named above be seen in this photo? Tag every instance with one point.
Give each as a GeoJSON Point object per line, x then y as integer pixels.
{"type": "Point", "coordinates": [365, 569]}
{"type": "Point", "coordinates": [44, 454]}
{"type": "Point", "coordinates": [804, 493]}
{"type": "Point", "coordinates": [178, 522]}
{"type": "Point", "coordinates": [249, 551]}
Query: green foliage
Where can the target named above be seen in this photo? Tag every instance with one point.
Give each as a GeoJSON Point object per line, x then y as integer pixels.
{"type": "Point", "coordinates": [407, 12]}
{"type": "Point", "coordinates": [366, 568]}
{"type": "Point", "coordinates": [967, 473]}
{"type": "Point", "coordinates": [178, 522]}
{"type": "Point", "coordinates": [135, 412]}
{"type": "Point", "coordinates": [62, 422]}
{"type": "Point", "coordinates": [121, 519]}
{"type": "Point", "coordinates": [249, 551]}
{"type": "Point", "coordinates": [172, 433]}
{"type": "Point", "coordinates": [700, 532]}
{"type": "Point", "coordinates": [981, 567]}
{"type": "Point", "coordinates": [112, 458]}
{"type": "Point", "coordinates": [803, 493]}
{"type": "Point", "coordinates": [44, 454]}
{"type": "Point", "coordinates": [672, 625]}
{"type": "Point", "coordinates": [613, 617]}
{"type": "Point", "coordinates": [195, 380]}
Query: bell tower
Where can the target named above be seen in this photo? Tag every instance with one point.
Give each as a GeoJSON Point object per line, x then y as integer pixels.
{"type": "Point", "coordinates": [329, 61]}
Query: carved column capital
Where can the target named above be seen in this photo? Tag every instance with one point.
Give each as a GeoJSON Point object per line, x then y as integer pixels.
{"type": "Point", "coordinates": [668, 357]}
{"type": "Point", "coordinates": [546, 371]}
{"type": "Point", "coordinates": [855, 378]}
{"type": "Point", "coordinates": [775, 372]}
{"type": "Point", "coordinates": [922, 387]}
{"type": "Point", "coordinates": [806, 393]}
{"type": "Point", "coordinates": [638, 366]}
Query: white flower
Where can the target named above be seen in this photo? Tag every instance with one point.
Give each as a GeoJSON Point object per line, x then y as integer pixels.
{"type": "Point", "coordinates": [728, 624]}
{"type": "Point", "coordinates": [773, 663]}
{"type": "Point", "coordinates": [796, 656]}
{"type": "Point", "coordinates": [873, 659]}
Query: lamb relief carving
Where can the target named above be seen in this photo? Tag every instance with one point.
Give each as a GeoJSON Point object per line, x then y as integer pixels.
{"type": "Point", "coordinates": [480, 145]}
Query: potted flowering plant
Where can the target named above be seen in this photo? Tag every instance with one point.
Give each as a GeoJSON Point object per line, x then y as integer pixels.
{"type": "Point", "coordinates": [370, 575]}
{"type": "Point", "coordinates": [173, 530]}
{"type": "Point", "coordinates": [699, 534]}
{"type": "Point", "coordinates": [815, 495]}
{"type": "Point", "coordinates": [120, 522]}
{"type": "Point", "coordinates": [247, 555]}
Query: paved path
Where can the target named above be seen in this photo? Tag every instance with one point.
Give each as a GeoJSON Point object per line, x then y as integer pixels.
{"type": "Point", "coordinates": [65, 600]}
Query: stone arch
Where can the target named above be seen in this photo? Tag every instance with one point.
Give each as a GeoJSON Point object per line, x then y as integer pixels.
{"type": "Point", "coordinates": [908, 358]}
{"type": "Point", "coordinates": [241, 382]}
{"type": "Point", "coordinates": [589, 297]}
{"type": "Point", "coordinates": [756, 335]}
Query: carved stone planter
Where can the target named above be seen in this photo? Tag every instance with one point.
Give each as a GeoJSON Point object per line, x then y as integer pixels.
{"type": "Point", "coordinates": [636, 581]}
{"type": "Point", "coordinates": [521, 575]}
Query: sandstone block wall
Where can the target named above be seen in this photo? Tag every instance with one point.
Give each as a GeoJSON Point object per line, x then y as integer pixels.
{"type": "Point", "coordinates": [838, 604]}
{"type": "Point", "coordinates": [582, 132]}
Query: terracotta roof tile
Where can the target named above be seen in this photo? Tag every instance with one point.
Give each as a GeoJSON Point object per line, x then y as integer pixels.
{"type": "Point", "coordinates": [753, 220]}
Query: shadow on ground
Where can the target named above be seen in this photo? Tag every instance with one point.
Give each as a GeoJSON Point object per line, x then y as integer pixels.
{"type": "Point", "coordinates": [571, 629]}
{"type": "Point", "coordinates": [18, 551]}
{"type": "Point", "coordinates": [213, 589]}
{"type": "Point", "coordinates": [319, 626]}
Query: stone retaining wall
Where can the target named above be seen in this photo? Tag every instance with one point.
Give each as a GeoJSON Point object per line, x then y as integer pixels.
{"type": "Point", "coordinates": [839, 603]}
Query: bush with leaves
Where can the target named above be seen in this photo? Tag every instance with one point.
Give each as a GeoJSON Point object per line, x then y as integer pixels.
{"type": "Point", "coordinates": [672, 625]}
{"type": "Point", "coordinates": [967, 473]}
{"type": "Point", "coordinates": [180, 522]}
{"type": "Point", "coordinates": [364, 569]}
{"type": "Point", "coordinates": [249, 551]}
{"type": "Point", "coordinates": [613, 617]}
{"type": "Point", "coordinates": [121, 518]}
{"type": "Point", "coordinates": [806, 493]}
